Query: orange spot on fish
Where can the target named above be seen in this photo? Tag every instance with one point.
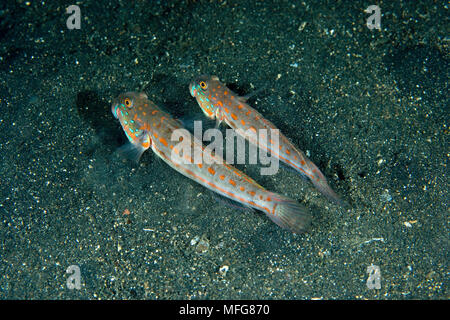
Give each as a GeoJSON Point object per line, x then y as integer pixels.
{"type": "Point", "coordinates": [226, 110]}
{"type": "Point", "coordinates": [188, 158]}
{"type": "Point", "coordinates": [302, 163]}
{"type": "Point", "coordinates": [240, 106]}
{"type": "Point", "coordinates": [252, 193]}
{"type": "Point", "coordinates": [232, 182]}
{"type": "Point", "coordinates": [222, 177]}
{"type": "Point", "coordinates": [287, 151]}
{"type": "Point", "coordinates": [163, 141]}
{"type": "Point", "coordinates": [268, 199]}
{"type": "Point", "coordinates": [154, 111]}
{"type": "Point", "coordinates": [144, 113]}
{"type": "Point", "coordinates": [234, 116]}
{"type": "Point", "coordinates": [253, 129]}
{"type": "Point", "coordinates": [243, 122]}
{"type": "Point", "coordinates": [146, 145]}
{"type": "Point", "coordinates": [242, 188]}
{"type": "Point", "coordinates": [211, 170]}
{"type": "Point", "coordinates": [200, 165]}
{"type": "Point", "coordinates": [219, 103]}
{"type": "Point", "coordinates": [225, 92]}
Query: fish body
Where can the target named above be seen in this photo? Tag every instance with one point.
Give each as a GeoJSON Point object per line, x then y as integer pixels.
{"type": "Point", "coordinates": [220, 103]}
{"type": "Point", "coordinates": [148, 127]}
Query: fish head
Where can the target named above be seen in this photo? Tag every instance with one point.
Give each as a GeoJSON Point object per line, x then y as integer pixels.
{"type": "Point", "coordinates": [127, 108]}
{"type": "Point", "coordinates": [202, 90]}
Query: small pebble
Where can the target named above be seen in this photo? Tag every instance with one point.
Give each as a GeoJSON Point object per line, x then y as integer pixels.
{"type": "Point", "coordinates": [223, 270]}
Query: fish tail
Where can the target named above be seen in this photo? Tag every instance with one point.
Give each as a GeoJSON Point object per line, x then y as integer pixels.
{"type": "Point", "coordinates": [320, 182]}
{"type": "Point", "coordinates": [290, 215]}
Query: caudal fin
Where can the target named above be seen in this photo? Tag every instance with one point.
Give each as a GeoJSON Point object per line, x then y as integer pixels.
{"type": "Point", "coordinates": [290, 215]}
{"type": "Point", "coordinates": [320, 182]}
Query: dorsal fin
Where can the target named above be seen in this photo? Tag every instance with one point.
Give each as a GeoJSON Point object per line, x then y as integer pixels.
{"type": "Point", "coordinates": [143, 95]}
{"type": "Point", "coordinates": [251, 94]}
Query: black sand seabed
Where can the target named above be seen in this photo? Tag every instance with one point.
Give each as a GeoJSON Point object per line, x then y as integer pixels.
{"type": "Point", "coordinates": [371, 108]}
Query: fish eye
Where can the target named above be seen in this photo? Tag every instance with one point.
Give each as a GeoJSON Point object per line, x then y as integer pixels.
{"type": "Point", "coordinates": [128, 102]}
{"type": "Point", "coordinates": [203, 85]}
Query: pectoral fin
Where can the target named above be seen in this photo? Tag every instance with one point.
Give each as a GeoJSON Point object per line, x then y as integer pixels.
{"type": "Point", "coordinates": [131, 152]}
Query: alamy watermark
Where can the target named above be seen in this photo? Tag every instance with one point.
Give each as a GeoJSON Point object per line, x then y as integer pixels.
{"type": "Point", "coordinates": [74, 280]}
{"type": "Point", "coordinates": [374, 21]}
{"type": "Point", "coordinates": [374, 279]}
{"type": "Point", "coordinates": [74, 20]}
{"type": "Point", "coordinates": [190, 149]}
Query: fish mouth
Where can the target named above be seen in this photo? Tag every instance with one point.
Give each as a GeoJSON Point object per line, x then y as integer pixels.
{"type": "Point", "coordinates": [192, 89]}
{"type": "Point", "coordinates": [114, 107]}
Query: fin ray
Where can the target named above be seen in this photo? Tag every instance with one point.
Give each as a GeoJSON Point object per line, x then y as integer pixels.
{"type": "Point", "coordinates": [131, 152]}
{"type": "Point", "coordinates": [290, 215]}
{"type": "Point", "coordinates": [321, 184]}
{"type": "Point", "coordinates": [252, 94]}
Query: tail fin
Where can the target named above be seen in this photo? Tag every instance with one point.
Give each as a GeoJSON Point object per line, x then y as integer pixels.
{"type": "Point", "coordinates": [321, 184]}
{"type": "Point", "coordinates": [290, 215]}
